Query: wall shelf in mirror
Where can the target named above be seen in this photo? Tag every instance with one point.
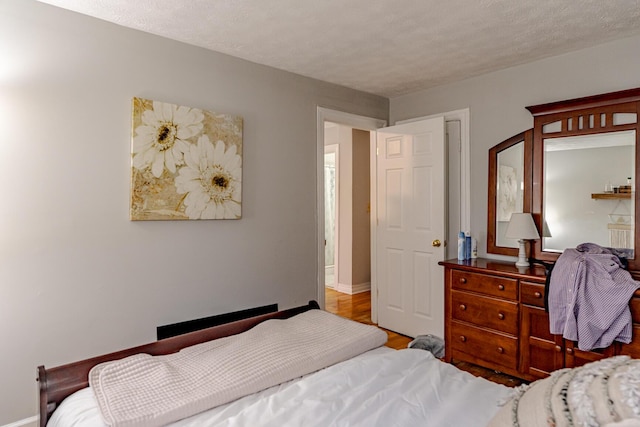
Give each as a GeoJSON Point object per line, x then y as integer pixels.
{"type": "Point", "coordinates": [611, 196]}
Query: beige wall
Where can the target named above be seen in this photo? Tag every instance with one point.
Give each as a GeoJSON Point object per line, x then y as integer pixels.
{"type": "Point", "coordinates": [497, 103]}
{"type": "Point", "coordinates": [361, 274]}
{"type": "Point", "coordinates": [77, 277]}
{"type": "Point", "coordinates": [345, 207]}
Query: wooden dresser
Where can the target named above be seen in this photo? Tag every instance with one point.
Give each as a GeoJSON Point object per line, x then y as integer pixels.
{"type": "Point", "coordinates": [495, 317]}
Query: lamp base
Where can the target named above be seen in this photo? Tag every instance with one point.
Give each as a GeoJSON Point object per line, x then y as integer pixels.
{"type": "Point", "coordinates": [522, 255]}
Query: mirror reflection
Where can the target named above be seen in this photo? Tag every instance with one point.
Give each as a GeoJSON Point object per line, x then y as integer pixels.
{"type": "Point", "coordinates": [589, 187]}
{"type": "Point", "coordinates": [509, 190]}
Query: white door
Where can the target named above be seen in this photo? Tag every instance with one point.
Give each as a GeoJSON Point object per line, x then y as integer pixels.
{"type": "Point", "coordinates": [411, 227]}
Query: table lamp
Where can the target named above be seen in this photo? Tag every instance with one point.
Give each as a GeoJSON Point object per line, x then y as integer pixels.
{"type": "Point", "coordinates": [522, 227]}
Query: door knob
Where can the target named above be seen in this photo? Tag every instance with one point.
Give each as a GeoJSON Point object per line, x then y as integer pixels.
{"type": "Point", "coordinates": [436, 243]}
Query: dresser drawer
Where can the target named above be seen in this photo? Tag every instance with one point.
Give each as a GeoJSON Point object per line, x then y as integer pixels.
{"type": "Point", "coordinates": [532, 294]}
{"type": "Point", "coordinates": [484, 311]}
{"type": "Point", "coordinates": [500, 287]}
{"type": "Point", "coordinates": [481, 344]}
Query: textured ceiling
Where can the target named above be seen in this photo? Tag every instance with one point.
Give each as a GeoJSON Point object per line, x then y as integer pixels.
{"type": "Point", "coordinates": [385, 47]}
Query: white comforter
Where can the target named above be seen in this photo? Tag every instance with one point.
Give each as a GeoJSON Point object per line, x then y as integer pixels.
{"type": "Point", "coordinates": [382, 387]}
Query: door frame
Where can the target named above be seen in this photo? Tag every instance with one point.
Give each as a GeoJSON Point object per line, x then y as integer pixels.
{"type": "Point", "coordinates": [372, 124]}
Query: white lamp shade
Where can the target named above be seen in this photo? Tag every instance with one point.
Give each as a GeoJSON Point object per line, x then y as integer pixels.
{"type": "Point", "coordinates": [521, 226]}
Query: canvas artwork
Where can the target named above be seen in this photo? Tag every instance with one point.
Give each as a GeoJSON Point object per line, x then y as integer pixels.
{"type": "Point", "coordinates": [507, 192]}
{"type": "Point", "coordinates": [186, 163]}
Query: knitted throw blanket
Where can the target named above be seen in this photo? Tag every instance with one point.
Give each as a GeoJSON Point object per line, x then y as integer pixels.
{"type": "Point", "coordinates": [602, 393]}
{"type": "Point", "coordinates": [144, 390]}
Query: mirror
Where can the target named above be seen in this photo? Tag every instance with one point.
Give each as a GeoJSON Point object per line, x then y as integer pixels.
{"type": "Point", "coordinates": [509, 188]}
{"type": "Point", "coordinates": [587, 191]}
{"type": "Point", "coordinates": [584, 152]}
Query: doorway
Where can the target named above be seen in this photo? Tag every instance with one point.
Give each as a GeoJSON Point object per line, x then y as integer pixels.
{"type": "Point", "coordinates": [347, 220]}
{"type": "Point", "coordinates": [352, 121]}
{"type": "Point", "coordinates": [458, 176]}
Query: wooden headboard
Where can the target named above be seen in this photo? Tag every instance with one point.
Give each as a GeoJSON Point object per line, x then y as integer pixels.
{"type": "Point", "coordinates": [61, 381]}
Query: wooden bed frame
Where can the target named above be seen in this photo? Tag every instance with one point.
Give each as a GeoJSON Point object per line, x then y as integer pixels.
{"type": "Point", "coordinates": [61, 381]}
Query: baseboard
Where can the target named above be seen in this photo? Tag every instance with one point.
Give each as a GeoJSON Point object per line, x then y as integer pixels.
{"type": "Point", "coordinates": [362, 287]}
{"type": "Point", "coordinates": [27, 422]}
{"type": "Point", "coordinates": [353, 289]}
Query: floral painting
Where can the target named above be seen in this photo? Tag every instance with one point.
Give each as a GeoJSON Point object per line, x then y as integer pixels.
{"type": "Point", "coordinates": [507, 192]}
{"type": "Point", "coordinates": [186, 163]}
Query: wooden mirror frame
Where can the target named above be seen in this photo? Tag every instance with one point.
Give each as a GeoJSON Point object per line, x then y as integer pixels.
{"type": "Point", "coordinates": [582, 116]}
{"type": "Point", "coordinates": [527, 138]}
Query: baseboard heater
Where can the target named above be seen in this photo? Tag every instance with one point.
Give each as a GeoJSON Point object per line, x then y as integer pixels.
{"type": "Point", "coordinates": [175, 329]}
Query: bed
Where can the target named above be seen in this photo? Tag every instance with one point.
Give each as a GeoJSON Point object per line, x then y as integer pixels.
{"type": "Point", "coordinates": [366, 385]}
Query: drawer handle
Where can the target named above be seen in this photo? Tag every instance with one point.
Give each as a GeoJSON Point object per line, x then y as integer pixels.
{"type": "Point", "coordinates": [501, 316]}
{"type": "Point", "coordinates": [537, 294]}
{"type": "Point", "coordinates": [463, 280]}
{"type": "Point", "coordinates": [500, 350]}
{"type": "Point", "coordinates": [463, 338]}
{"type": "Point", "coordinates": [463, 307]}
{"type": "Point", "coordinates": [558, 349]}
{"type": "Point", "coordinates": [570, 351]}
{"type": "Point", "coordinates": [501, 287]}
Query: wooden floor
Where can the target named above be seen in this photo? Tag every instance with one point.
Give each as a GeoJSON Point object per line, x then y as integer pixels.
{"type": "Point", "coordinates": [358, 307]}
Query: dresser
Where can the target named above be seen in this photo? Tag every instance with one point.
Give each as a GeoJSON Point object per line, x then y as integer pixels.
{"type": "Point", "coordinates": [495, 317]}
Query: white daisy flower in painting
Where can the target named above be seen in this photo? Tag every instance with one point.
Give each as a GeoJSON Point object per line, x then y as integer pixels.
{"type": "Point", "coordinates": [211, 179]}
{"type": "Point", "coordinates": [162, 138]}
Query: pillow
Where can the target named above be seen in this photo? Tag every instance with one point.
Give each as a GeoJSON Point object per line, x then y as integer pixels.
{"type": "Point", "coordinates": [602, 393]}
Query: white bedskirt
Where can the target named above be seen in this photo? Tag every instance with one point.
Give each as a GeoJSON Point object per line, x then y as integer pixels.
{"type": "Point", "coordinates": [382, 387]}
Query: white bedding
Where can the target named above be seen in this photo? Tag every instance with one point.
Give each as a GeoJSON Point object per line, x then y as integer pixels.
{"type": "Point", "coordinates": [382, 387]}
